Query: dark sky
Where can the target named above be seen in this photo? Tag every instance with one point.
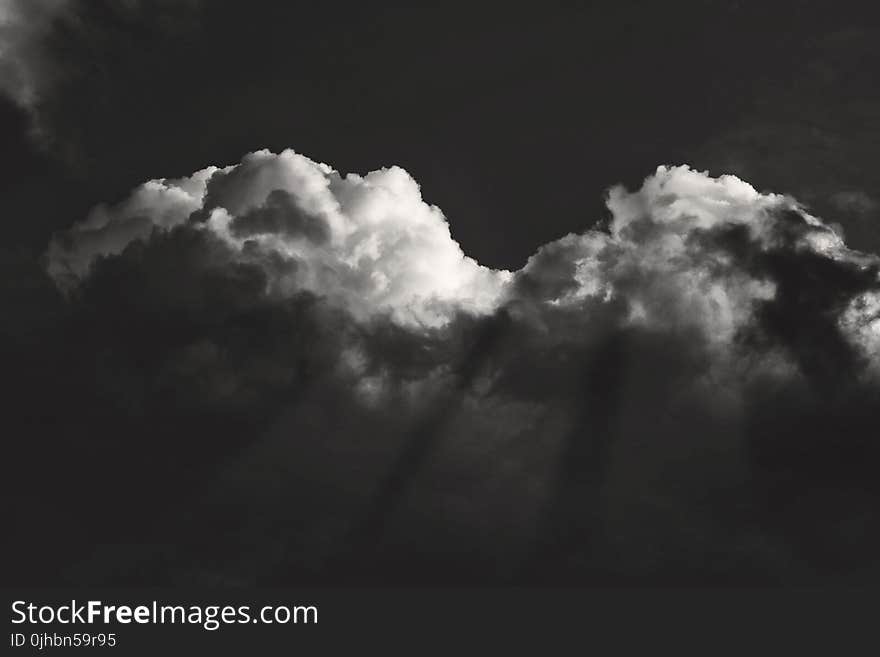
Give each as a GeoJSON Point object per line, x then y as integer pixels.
{"type": "Point", "coordinates": [201, 401]}
{"type": "Point", "coordinates": [513, 120]}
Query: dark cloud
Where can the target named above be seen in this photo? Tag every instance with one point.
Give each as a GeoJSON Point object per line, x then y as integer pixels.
{"type": "Point", "coordinates": [50, 47]}
{"type": "Point", "coordinates": [277, 373]}
{"type": "Point", "coordinates": [25, 69]}
{"type": "Point", "coordinates": [280, 214]}
{"type": "Point", "coordinates": [685, 395]}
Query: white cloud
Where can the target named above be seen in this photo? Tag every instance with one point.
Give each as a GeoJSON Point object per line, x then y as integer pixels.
{"type": "Point", "coordinates": [155, 205]}
{"type": "Point", "coordinates": [371, 245]}
{"type": "Point", "coordinates": [659, 257]}
{"type": "Point", "coordinates": [861, 322]}
{"type": "Point", "coordinates": [650, 259]}
{"type": "Point", "coordinates": [387, 251]}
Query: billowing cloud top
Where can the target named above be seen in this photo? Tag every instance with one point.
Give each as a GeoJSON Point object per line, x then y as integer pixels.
{"type": "Point", "coordinates": [369, 244]}
{"type": "Point", "coordinates": [685, 251]}
{"type": "Point", "coordinates": [697, 376]}
{"type": "Point", "coordinates": [691, 250]}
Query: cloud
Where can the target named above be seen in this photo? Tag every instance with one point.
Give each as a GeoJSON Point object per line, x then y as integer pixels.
{"type": "Point", "coordinates": [688, 251]}
{"type": "Point", "coordinates": [24, 70]}
{"type": "Point", "coordinates": [157, 204]}
{"type": "Point", "coordinates": [367, 244]}
{"type": "Point", "coordinates": [48, 64]}
{"type": "Point", "coordinates": [796, 134]}
{"type": "Point", "coordinates": [687, 391]}
{"type": "Point", "coordinates": [685, 250]}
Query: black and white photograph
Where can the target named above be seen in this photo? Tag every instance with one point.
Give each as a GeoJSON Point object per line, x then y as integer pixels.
{"type": "Point", "coordinates": [381, 296]}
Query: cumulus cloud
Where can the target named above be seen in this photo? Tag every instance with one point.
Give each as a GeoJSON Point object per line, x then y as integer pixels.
{"type": "Point", "coordinates": [709, 347]}
{"type": "Point", "coordinates": [713, 254]}
{"type": "Point", "coordinates": [157, 204]}
{"type": "Point", "coordinates": [368, 244]}
{"type": "Point", "coordinates": [684, 251]}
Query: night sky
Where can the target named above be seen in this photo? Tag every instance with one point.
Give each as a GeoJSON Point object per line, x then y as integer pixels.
{"type": "Point", "coordinates": [176, 410]}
